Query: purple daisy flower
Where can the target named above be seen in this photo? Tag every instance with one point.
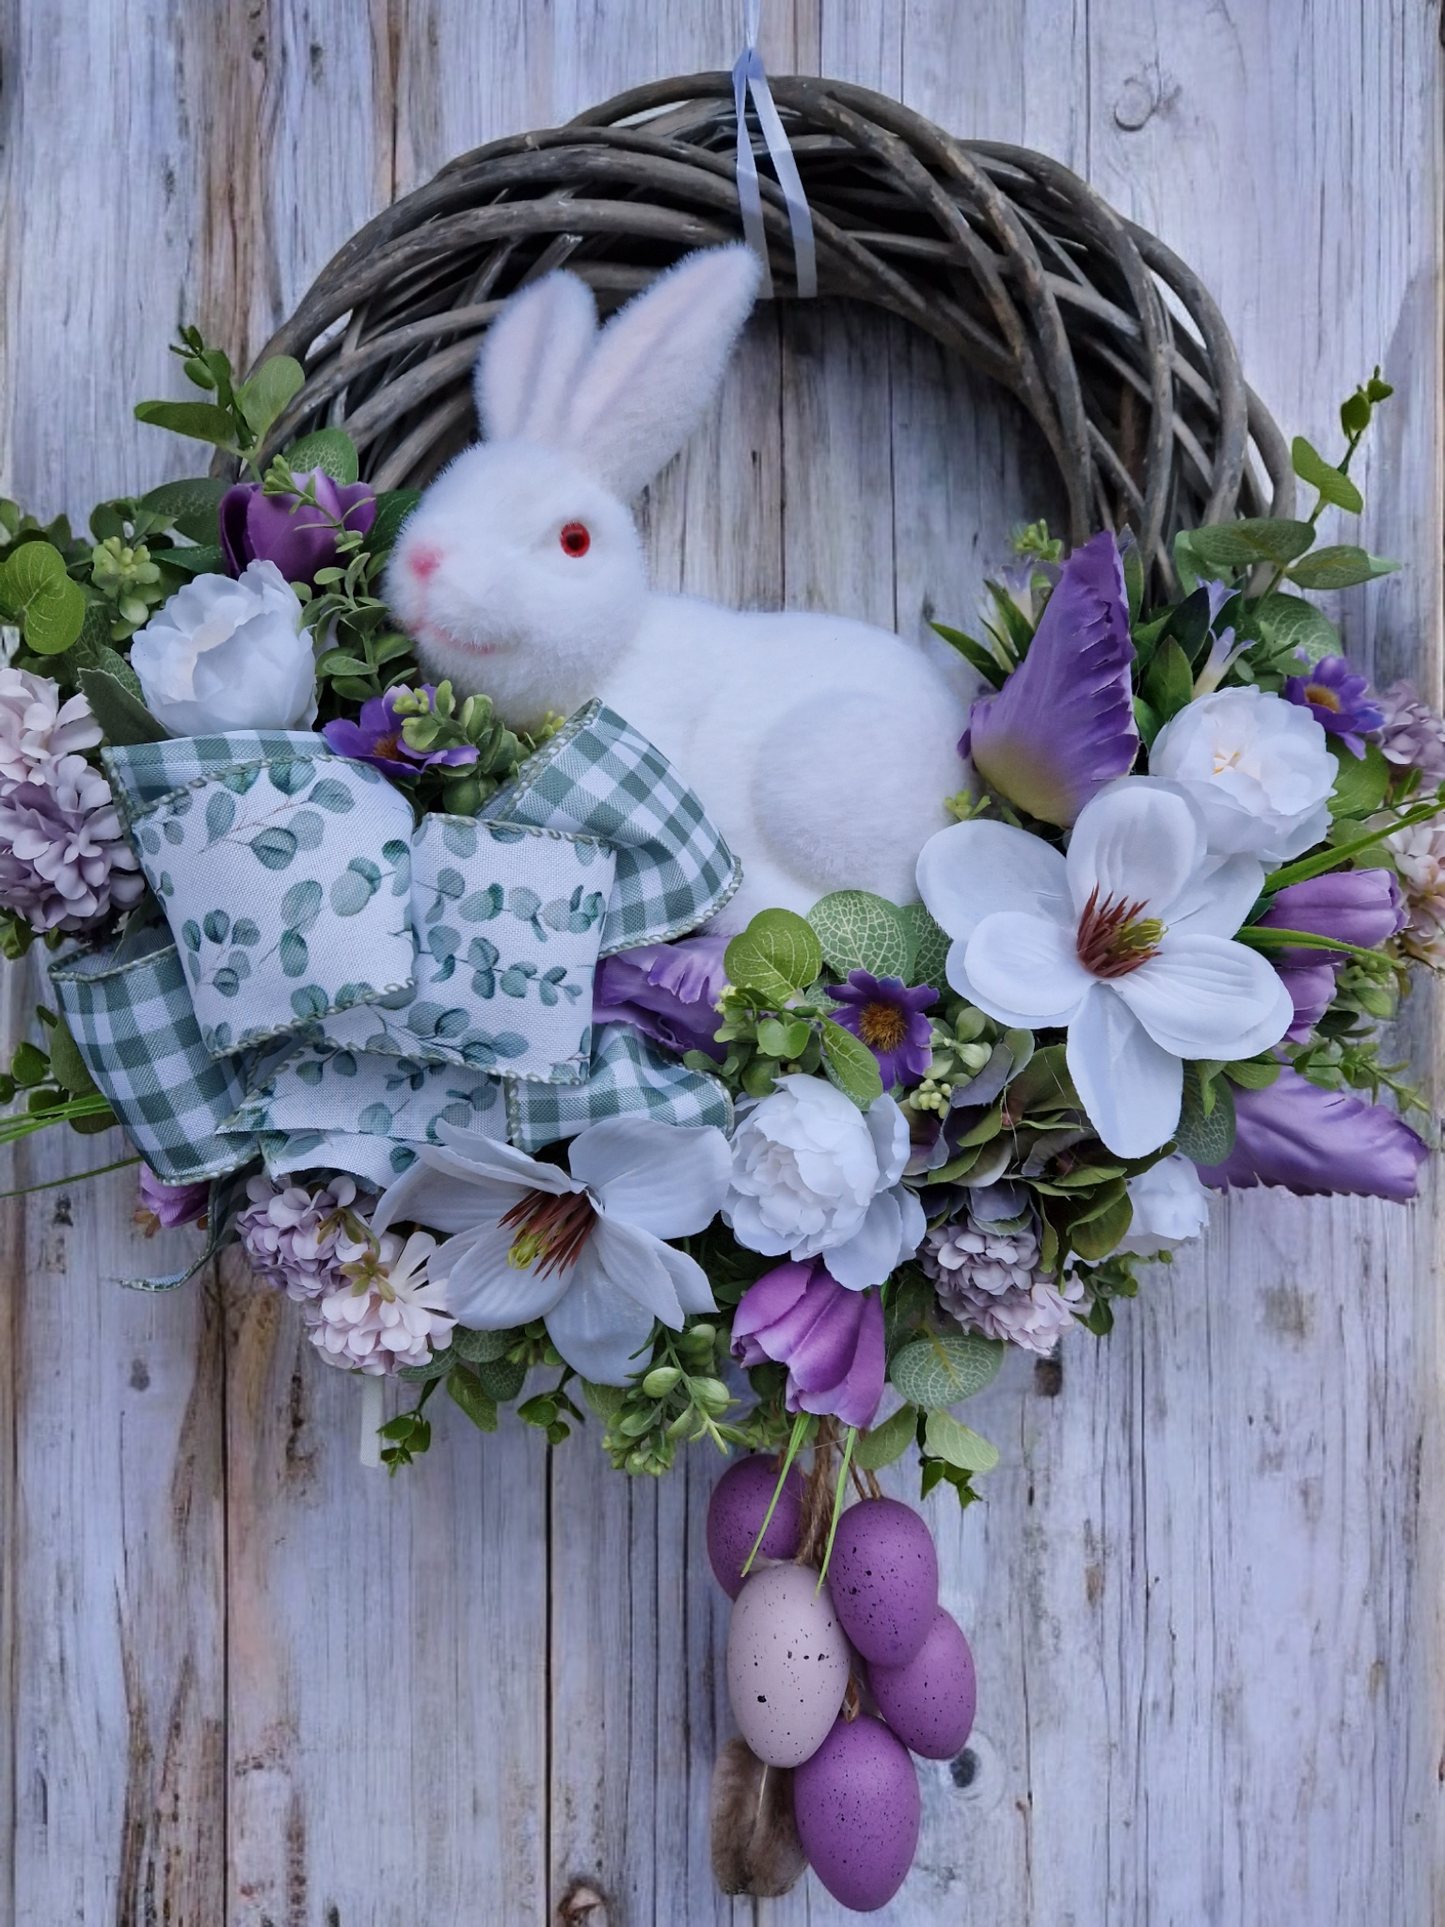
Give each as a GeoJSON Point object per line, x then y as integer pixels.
{"type": "Point", "coordinates": [377, 738]}
{"type": "Point", "coordinates": [889, 1019]}
{"type": "Point", "coordinates": [1338, 700]}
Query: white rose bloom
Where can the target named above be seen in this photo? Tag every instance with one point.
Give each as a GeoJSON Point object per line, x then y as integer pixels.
{"type": "Point", "coordinates": [1170, 1205]}
{"type": "Point", "coordinates": [227, 655]}
{"type": "Point", "coordinates": [1259, 768]}
{"type": "Point", "coordinates": [813, 1175]}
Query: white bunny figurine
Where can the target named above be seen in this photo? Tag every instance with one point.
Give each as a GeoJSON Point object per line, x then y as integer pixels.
{"type": "Point", "coordinates": [822, 748]}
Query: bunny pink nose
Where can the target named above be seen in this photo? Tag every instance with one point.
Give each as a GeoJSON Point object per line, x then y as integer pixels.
{"type": "Point", "coordinates": [424, 560]}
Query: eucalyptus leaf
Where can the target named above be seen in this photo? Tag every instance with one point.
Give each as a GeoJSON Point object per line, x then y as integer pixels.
{"type": "Point", "coordinates": [946, 1439]}
{"type": "Point", "coordinates": [1340, 568]}
{"type": "Point", "coordinates": [191, 506]}
{"type": "Point", "coordinates": [1360, 781]}
{"type": "Point", "coordinates": [50, 607]}
{"type": "Point", "coordinates": [1238, 545]}
{"type": "Point", "coordinates": [465, 1389]}
{"type": "Point", "coordinates": [202, 421]}
{"type": "Point", "coordinates": [605, 1400]}
{"type": "Point", "coordinates": [886, 1442]}
{"type": "Point", "coordinates": [329, 449]}
{"type": "Point", "coordinates": [860, 931]}
{"type": "Point", "coordinates": [850, 1064]}
{"type": "Point", "coordinates": [1289, 623]}
{"type": "Point", "coordinates": [777, 955]}
{"type": "Point", "coordinates": [479, 1348]}
{"type": "Point", "coordinates": [263, 398]}
{"type": "Point", "coordinates": [1206, 1138]}
{"type": "Point", "coordinates": [942, 1370]}
{"type": "Point", "coordinates": [931, 943]}
{"type": "Point", "coordinates": [1334, 487]}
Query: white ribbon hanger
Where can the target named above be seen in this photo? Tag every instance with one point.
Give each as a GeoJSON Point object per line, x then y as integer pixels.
{"type": "Point", "coordinates": [749, 73]}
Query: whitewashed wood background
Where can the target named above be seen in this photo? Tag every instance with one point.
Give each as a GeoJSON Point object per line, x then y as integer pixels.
{"type": "Point", "coordinates": [249, 1683]}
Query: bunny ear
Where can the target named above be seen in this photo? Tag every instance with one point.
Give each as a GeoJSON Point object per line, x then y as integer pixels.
{"type": "Point", "coordinates": [526, 374]}
{"type": "Point", "coordinates": [657, 365]}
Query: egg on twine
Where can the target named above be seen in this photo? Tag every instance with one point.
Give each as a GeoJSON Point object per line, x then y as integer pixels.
{"type": "Point", "coordinates": [735, 1515]}
{"type": "Point", "coordinates": [884, 1576]}
{"type": "Point", "coordinates": [788, 1663]}
{"type": "Point", "coordinates": [858, 1808]}
{"type": "Point", "coordinates": [930, 1702]}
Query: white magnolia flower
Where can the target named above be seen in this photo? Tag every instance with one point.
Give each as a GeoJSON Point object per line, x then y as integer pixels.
{"type": "Point", "coordinates": [584, 1251]}
{"type": "Point", "coordinates": [389, 1314]}
{"type": "Point", "coordinates": [228, 655]}
{"type": "Point", "coordinates": [1125, 943]}
{"type": "Point", "coordinates": [1259, 768]}
{"type": "Point", "coordinates": [813, 1175]}
{"type": "Point", "coordinates": [1170, 1205]}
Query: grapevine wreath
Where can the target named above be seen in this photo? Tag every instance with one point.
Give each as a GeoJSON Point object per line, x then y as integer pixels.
{"type": "Point", "coordinates": [502, 954]}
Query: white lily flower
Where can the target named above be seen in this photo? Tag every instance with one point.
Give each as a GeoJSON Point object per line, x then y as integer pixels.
{"type": "Point", "coordinates": [1125, 943]}
{"type": "Point", "coordinates": [585, 1251]}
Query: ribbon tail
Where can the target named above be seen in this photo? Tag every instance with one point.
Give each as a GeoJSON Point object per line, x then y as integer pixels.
{"type": "Point", "coordinates": [750, 199]}
{"type": "Point", "coordinates": [800, 215]}
{"type": "Point", "coordinates": [373, 1416]}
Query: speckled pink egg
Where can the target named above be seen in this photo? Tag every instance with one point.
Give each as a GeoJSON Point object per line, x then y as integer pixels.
{"type": "Point", "coordinates": [788, 1663]}
{"type": "Point", "coordinates": [858, 1807]}
{"type": "Point", "coordinates": [929, 1703]}
{"type": "Point", "coordinates": [884, 1575]}
{"type": "Point", "coordinates": [736, 1510]}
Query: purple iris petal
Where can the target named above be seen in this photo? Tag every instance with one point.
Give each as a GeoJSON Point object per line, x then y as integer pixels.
{"type": "Point", "coordinates": [299, 539]}
{"type": "Point", "coordinates": [831, 1339]}
{"type": "Point", "coordinates": [668, 991]}
{"type": "Point", "coordinates": [377, 739]}
{"type": "Point", "coordinates": [1354, 906]}
{"type": "Point", "coordinates": [889, 1019]}
{"type": "Point", "coordinates": [1063, 725]}
{"type": "Point", "coordinates": [1339, 701]}
{"type": "Point", "coordinates": [172, 1204]}
{"type": "Point", "coordinates": [1315, 1142]}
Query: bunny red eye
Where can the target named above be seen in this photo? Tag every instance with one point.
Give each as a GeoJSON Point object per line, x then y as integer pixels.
{"type": "Point", "coordinates": [575, 539]}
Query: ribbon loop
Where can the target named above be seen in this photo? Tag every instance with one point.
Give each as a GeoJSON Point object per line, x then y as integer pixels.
{"type": "Point", "coordinates": [749, 75]}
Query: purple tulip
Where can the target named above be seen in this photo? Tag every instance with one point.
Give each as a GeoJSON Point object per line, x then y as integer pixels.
{"type": "Point", "coordinates": [1314, 1142]}
{"type": "Point", "coordinates": [830, 1339]}
{"type": "Point", "coordinates": [1063, 725]}
{"type": "Point", "coordinates": [1354, 906]}
{"type": "Point", "coordinates": [256, 527]}
{"type": "Point", "coordinates": [668, 991]}
{"type": "Point", "coordinates": [890, 1020]}
{"type": "Point", "coordinates": [1338, 700]}
{"type": "Point", "coordinates": [377, 738]}
{"type": "Point", "coordinates": [161, 1207]}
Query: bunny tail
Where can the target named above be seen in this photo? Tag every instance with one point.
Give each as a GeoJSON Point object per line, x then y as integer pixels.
{"type": "Point", "coordinates": [657, 365]}
{"type": "Point", "coordinates": [527, 370]}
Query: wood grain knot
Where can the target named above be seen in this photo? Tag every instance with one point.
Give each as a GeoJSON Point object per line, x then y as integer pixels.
{"type": "Point", "coordinates": [580, 1904]}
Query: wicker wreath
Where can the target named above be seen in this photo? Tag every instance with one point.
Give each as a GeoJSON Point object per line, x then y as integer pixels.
{"type": "Point", "coordinates": [1002, 255]}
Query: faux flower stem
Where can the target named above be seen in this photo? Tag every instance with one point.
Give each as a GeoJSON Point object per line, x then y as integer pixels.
{"type": "Point", "coordinates": [795, 1444]}
{"type": "Point", "coordinates": [14, 1128]}
{"type": "Point", "coordinates": [1332, 858]}
{"type": "Point", "coordinates": [51, 1183]}
{"type": "Point", "coordinates": [1271, 937]}
{"type": "Point", "coordinates": [848, 1444]}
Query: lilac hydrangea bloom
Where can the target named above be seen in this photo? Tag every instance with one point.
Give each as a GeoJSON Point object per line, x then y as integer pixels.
{"type": "Point", "coordinates": [890, 1020]}
{"type": "Point", "coordinates": [1354, 906]}
{"type": "Point", "coordinates": [668, 991]}
{"type": "Point", "coordinates": [377, 738]}
{"type": "Point", "coordinates": [1339, 701]}
{"type": "Point", "coordinates": [1412, 735]}
{"type": "Point", "coordinates": [1316, 1142]}
{"type": "Point", "coordinates": [830, 1339]}
{"type": "Point", "coordinates": [299, 539]}
{"type": "Point", "coordinates": [1063, 725]}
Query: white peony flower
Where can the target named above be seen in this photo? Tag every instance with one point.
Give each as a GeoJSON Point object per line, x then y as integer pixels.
{"type": "Point", "coordinates": [1259, 768]}
{"type": "Point", "coordinates": [814, 1175]}
{"type": "Point", "coordinates": [1170, 1205]}
{"type": "Point", "coordinates": [584, 1251]}
{"type": "Point", "coordinates": [1125, 943]}
{"type": "Point", "coordinates": [228, 655]}
{"type": "Point", "coordinates": [389, 1315]}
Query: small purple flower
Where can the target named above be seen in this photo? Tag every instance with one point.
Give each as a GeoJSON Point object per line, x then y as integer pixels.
{"type": "Point", "coordinates": [1315, 1142]}
{"type": "Point", "coordinates": [299, 539]}
{"type": "Point", "coordinates": [830, 1339]}
{"type": "Point", "coordinates": [377, 738]}
{"type": "Point", "coordinates": [1063, 724]}
{"type": "Point", "coordinates": [1354, 906]}
{"type": "Point", "coordinates": [161, 1207]}
{"type": "Point", "coordinates": [1338, 700]}
{"type": "Point", "coordinates": [668, 991]}
{"type": "Point", "coordinates": [889, 1019]}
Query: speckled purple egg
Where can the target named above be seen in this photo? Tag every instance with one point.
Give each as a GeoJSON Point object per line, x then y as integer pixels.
{"type": "Point", "coordinates": [857, 1806]}
{"type": "Point", "coordinates": [930, 1702]}
{"type": "Point", "coordinates": [884, 1575]}
{"type": "Point", "coordinates": [736, 1510]}
{"type": "Point", "coordinates": [788, 1663]}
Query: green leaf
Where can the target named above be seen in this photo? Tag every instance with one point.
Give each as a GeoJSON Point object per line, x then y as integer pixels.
{"type": "Point", "coordinates": [859, 931]}
{"type": "Point", "coordinates": [66, 1062]}
{"type": "Point", "coordinates": [931, 943]}
{"type": "Point", "coordinates": [956, 1445]}
{"type": "Point", "coordinates": [1096, 1235]}
{"type": "Point", "coordinates": [480, 1348]}
{"type": "Point", "coordinates": [1238, 545]}
{"type": "Point", "coordinates": [936, 1372]}
{"type": "Point", "coordinates": [329, 449]}
{"type": "Point", "coordinates": [123, 718]}
{"type": "Point", "coordinates": [191, 505]}
{"type": "Point", "coordinates": [1206, 1138]}
{"type": "Point", "coordinates": [886, 1442]}
{"type": "Point", "coordinates": [1253, 1073]}
{"type": "Point", "coordinates": [1169, 681]}
{"type": "Point", "coordinates": [201, 420]}
{"type": "Point", "coordinates": [49, 606]}
{"type": "Point", "coordinates": [1360, 781]}
{"type": "Point", "coordinates": [393, 506]}
{"type": "Point", "coordinates": [210, 560]}
{"type": "Point", "coordinates": [973, 653]}
{"type": "Point", "coordinates": [1288, 622]}
{"type": "Point", "coordinates": [501, 1378]}
{"type": "Point", "coordinates": [783, 1040]}
{"type": "Point", "coordinates": [464, 1388]}
{"type": "Point", "coordinates": [1333, 485]}
{"type": "Point", "coordinates": [850, 1064]}
{"type": "Point", "coordinates": [606, 1400]}
{"type": "Point", "coordinates": [1340, 568]}
{"type": "Point", "coordinates": [777, 954]}
{"type": "Point", "coordinates": [263, 398]}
